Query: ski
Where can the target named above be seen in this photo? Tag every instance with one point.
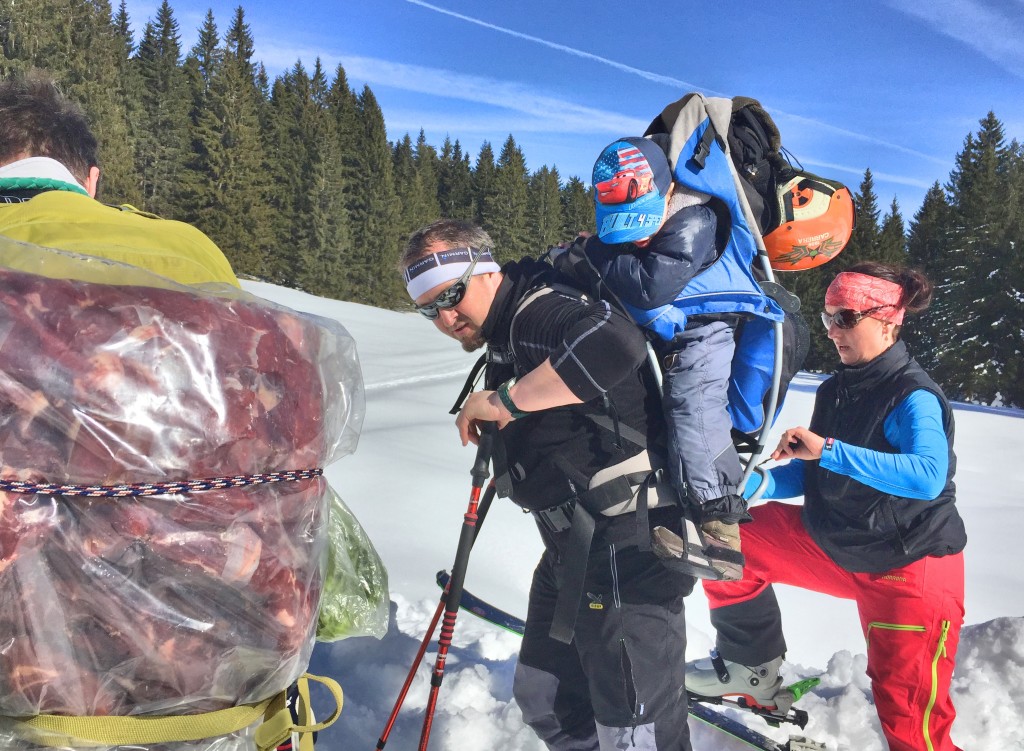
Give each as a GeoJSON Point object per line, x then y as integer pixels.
{"type": "Point", "coordinates": [698, 709]}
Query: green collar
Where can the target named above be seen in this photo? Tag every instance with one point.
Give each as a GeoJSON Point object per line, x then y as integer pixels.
{"type": "Point", "coordinates": [40, 183]}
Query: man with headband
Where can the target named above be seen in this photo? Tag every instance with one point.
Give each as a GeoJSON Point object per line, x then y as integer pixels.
{"type": "Point", "coordinates": [879, 524]}
{"type": "Point", "coordinates": [580, 427]}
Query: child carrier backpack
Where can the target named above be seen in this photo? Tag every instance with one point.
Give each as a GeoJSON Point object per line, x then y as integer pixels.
{"type": "Point", "coordinates": [804, 219]}
{"type": "Point", "coordinates": [732, 150]}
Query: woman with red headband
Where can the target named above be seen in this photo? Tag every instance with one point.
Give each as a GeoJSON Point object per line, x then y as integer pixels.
{"type": "Point", "coordinates": [878, 525]}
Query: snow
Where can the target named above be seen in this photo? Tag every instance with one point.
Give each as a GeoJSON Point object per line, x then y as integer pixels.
{"type": "Point", "coordinates": [408, 483]}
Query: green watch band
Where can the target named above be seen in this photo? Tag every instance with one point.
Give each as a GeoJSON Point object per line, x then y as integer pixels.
{"type": "Point", "coordinates": [506, 399]}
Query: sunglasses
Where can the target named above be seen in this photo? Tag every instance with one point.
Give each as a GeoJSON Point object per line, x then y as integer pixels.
{"type": "Point", "coordinates": [451, 296]}
{"type": "Point", "coordinates": [847, 319]}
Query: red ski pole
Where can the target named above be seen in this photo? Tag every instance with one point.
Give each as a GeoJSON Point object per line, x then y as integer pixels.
{"type": "Point", "coordinates": [479, 474]}
{"type": "Point", "coordinates": [454, 595]}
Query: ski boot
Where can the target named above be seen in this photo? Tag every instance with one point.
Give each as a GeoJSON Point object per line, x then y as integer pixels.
{"type": "Point", "coordinates": [757, 686]}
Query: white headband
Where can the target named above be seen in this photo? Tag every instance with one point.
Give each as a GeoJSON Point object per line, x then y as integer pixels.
{"type": "Point", "coordinates": [446, 266]}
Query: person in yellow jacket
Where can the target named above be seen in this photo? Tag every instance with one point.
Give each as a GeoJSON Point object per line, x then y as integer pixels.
{"type": "Point", "coordinates": [49, 173]}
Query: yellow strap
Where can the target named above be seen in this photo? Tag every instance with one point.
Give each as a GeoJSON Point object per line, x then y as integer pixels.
{"type": "Point", "coordinates": [58, 730]}
{"type": "Point", "coordinates": [278, 725]}
{"type": "Point", "coordinates": [82, 732]}
{"type": "Point", "coordinates": [304, 710]}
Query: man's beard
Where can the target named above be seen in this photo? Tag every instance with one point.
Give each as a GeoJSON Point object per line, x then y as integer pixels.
{"type": "Point", "coordinates": [474, 344]}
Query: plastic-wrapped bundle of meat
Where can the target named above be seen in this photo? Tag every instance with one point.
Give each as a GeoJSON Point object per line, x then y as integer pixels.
{"type": "Point", "coordinates": [164, 604]}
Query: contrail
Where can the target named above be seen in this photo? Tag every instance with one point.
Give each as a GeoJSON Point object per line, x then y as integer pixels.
{"type": "Point", "coordinates": [668, 80]}
{"type": "Point", "coordinates": [650, 76]}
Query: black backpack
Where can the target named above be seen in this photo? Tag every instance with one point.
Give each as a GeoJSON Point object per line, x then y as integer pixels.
{"type": "Point", "coordinates": [788, 204]}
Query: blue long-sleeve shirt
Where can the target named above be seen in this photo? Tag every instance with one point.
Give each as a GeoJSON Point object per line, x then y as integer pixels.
{"type": "Point", "coordinates": [918, 469]}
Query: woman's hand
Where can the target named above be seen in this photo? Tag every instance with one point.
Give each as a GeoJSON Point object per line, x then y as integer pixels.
{"type": "Point", "coordinates": [799, 443]}
{"type": "Point", "coordinates": [481, 406]}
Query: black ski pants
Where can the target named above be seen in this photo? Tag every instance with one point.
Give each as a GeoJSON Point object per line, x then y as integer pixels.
{"type": "Point", "coordinates": [619, 684]}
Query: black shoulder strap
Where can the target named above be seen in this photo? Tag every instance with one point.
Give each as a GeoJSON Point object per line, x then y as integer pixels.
{"type": "Point", "coordinates": [469, 385]}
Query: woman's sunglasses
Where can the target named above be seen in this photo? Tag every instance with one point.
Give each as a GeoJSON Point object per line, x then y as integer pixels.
{"type": "Point", "coordinates": [451, 296]}
{"type": "Point", "coordinates": [847, 319]}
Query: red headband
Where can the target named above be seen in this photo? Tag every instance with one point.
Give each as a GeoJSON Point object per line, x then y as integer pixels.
{"type": "Point", "coordinates": [862, 292]}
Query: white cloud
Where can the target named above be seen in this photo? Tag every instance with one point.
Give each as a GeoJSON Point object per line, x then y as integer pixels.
{"type": "Point", "coordinates": [674, 82]}
{"type": "Point", "coordinates": [541, 112]}
{"type": "Point", "coordinates": [879, 177]}
{"type": "Point", "coordinates": [562, 115]}
{"type": "Point", "coordinates": [822, 126]}
{"type": "Point", "coordinates": [990, 28]}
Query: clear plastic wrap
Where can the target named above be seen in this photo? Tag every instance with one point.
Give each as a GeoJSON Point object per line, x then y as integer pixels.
{"type": "Point", "coordinates": [355, 599]}
{"type": "Point", "coordinates": [167, 604]}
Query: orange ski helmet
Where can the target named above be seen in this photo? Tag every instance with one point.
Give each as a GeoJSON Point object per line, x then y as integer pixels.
{"type": "Point", "coordinates": [817, 219]}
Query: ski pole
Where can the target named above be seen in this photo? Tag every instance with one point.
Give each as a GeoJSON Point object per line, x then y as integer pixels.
{"type": "Point", "coordinates": [484, 505]}
{"type": "Point", "coordinates": [484, 453]}
{"type": "Point", "coordinates": [454, 596]}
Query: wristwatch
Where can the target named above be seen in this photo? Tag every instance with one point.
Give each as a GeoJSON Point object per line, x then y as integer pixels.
{"type": "Point", "coordinates": [506, 399]}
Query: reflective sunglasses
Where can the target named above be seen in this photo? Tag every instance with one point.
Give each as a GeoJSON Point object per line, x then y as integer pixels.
{"type": "Point", "coordinates": [451, 296]}
{"type": "Point", "coordinates": [847, 319]}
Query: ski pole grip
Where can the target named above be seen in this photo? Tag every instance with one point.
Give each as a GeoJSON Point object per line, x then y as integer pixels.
{"type": "Point", "coordinates": [484, 449]}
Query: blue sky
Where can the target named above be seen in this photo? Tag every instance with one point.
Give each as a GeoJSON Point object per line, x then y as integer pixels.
{"type": "Point", "coordinates": [894, 85]}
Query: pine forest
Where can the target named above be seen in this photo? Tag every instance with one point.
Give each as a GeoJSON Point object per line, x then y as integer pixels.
{"type": "Point", "coordinates": [296, 180]}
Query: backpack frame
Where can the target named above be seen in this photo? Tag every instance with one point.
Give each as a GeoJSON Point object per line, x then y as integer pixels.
{"type": "Point", "coordinates": [700, 132]}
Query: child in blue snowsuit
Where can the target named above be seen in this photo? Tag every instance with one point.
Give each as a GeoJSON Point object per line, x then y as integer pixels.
{"type": "Point", "coordinates": [653, 237]}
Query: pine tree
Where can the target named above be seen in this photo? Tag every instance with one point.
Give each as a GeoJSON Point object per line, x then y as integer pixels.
{"type": "Point", "coordinates": [226, 185]}
{"type": "Point", "coordinates": [101, 79]}
{"type": "Point", "coordinates": [544, 211]}
{"type": "Point", "coordinates": [995, 258]}
{"type": "Point", "coordinates": [927, 250]}
{"type": "Point", "coordinates": [1012, 385]}
{"type": "Point", "coordinates": [120, 181]}
{"type": "Point", "coordinates": [972, 359]}
{"type": "Point", "coordinates": [484, 176]}
{"type": "Point", "coordinates": [123, 27]}
{"type": "Point", "coordinates": [416, 183]}
{"type": "Point", "coordinates": [929, 232]}
{"type": "Point", "coordinates": [240, 43]}
{"type": "Point", "coordinates": [454, 183]}
{"type": "Point", "coordinates": [343, 109]}
{"type": "Point", "coordinates": [892, 240]}
{"type": "Point", "coordinates": [309, 220]}
{"type": "Point", "coordinates": [373, 209]}
{"type": "Point", "coordinates": [426, 161]}
{"type": "Point", "coordinates": [323, 273]}
{"type": "Point", "coordinates": [24, 35]}
{"type": "Point", "coordinates": [577, 209]}
{"type": "Point", "coordinates": [863, 245]}
{"type": "Point", "coordinates": [406, 185]}
{"type": "Point", "coordinates": [205, 57]}
{"type": "Point", "coordinates": [163, 138]}
{"type": "Point", "coordinates": [505, 209]}
{"type": "Point", "coordinates": [202, 65]}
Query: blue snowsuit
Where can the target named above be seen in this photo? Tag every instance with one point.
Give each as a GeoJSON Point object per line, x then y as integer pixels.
{"type": "Point", "coordinates": [695, 341]}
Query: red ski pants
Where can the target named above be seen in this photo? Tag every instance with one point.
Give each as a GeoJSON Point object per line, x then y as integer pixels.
{"type": "Point", "coordinates": [910, 616]}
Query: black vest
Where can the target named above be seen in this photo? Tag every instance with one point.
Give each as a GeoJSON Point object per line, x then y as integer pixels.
{"type": "Point", "coordinates": [861, 528]}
